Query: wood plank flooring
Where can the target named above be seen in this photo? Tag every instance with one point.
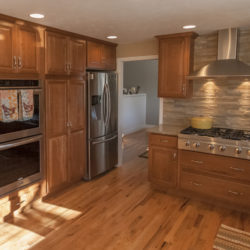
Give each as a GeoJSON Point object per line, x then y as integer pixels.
{"type": "Point", "coordinates": [119, 211]}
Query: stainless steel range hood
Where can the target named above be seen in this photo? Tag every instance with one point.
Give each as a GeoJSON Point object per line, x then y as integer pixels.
{"type": "Point", "coordinates": [227, 66]}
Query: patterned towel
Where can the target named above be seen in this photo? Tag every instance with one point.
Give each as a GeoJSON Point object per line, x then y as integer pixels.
{"type": "Point", "coordinates": [27, 104]}
{"type": "Point", "coordinates": [9, 105]}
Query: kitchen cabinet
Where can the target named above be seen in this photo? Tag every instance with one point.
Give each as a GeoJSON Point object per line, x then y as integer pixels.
{"type": "Point", "coordinates": [20, 48]}
{"type": "Point", "coordinates": [215, 177]}
{"type": "Point", "coordinates": [7, 53]}
{"type": "Point", "coordinates": [175, 63]}
{"type": "Point", "coordinates": [101, 56]}
{"type": "Point", "coordinates": [76, 56]}
{"type": "Point", "coordinates": [77, 116]}
{"type": "Point", "coordinates": [64, 55]}
{"type": "Point", "coordinates": [163, 163]}
{"type": "Point", "coordinates": [65, 132]}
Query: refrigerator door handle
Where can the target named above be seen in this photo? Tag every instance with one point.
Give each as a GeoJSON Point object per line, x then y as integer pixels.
{"type": "Point", "coordinates": [110, 139]}
{"type": "Point", "coordinates": [109, 105]}
{"type": "Point", "coordinates": [104, 108]}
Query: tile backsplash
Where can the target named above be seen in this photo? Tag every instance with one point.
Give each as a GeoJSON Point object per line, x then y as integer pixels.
{"type": "Point", "coordinates": [228, 101]}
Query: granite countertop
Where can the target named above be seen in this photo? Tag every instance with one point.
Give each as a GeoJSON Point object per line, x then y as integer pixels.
{"type": "Point", "coordinates": [166, 129]}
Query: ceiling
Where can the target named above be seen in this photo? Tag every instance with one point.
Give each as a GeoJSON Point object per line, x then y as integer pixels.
{"type": "Point", "coordinates": [132, 20]}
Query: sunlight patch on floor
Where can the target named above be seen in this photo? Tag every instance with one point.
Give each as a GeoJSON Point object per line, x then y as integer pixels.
{"type": "Point", "coordinates": [30, 227]}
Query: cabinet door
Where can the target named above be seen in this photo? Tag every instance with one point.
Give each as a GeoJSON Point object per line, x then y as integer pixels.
{"type": "Point", "coordinates": [57, 172]}
{"type": "Point", "coordinates": [109, 57]}
{"type": "Point", "coordinates": [8, 62]}
{"type": "Point", "coordinates": [77, 155]}
{"type": "Point", "coordinates": [163, 166]}
{"type": "Point", "coordinates": [77, 104]}
{"type": "Point", "coordinates": [77, 56]}
{"type": "Point", "coordinates": [56, 107]}
{"type": "Point", "coordinates": [28, 46]}
{"type": "Point", "coordinates": [56, 54]}
{"type": "Point", "coordinates": [94, 55]}
{"type": "Point", "coordinates": [171, 67]}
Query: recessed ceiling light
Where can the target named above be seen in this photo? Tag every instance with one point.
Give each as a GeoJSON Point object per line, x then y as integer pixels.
{"type": "Point", "coordinates": [37, 15]}
{"type": "Point", "coordinates": [191, 26]}
{"type": "Point", "coordinates": [111, 37]}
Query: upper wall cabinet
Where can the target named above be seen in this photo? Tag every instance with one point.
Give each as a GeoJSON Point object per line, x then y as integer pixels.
{"type": "Point", "coordinates": [175, 63]}
{"type": "Point", "coordinates": [20, 48]}
{"type": "Point", "coordinates": [101, 56]}
{"type": "Point", "coordinates": [64, 55]}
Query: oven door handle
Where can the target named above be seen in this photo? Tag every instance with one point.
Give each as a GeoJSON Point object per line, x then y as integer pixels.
{"type": "Point", "coordinates": [8, 145]}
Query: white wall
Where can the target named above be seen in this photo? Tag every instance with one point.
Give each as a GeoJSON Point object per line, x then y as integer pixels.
{"type": "Point", "coordinates": [133, 114]}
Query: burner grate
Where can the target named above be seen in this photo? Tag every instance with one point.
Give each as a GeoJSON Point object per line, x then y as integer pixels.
{"type": "Point", "coordinates": [224, 133]}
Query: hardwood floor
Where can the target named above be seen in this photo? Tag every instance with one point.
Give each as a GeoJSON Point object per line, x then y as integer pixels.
{"type": "Point", "coordinates": [119, 211]}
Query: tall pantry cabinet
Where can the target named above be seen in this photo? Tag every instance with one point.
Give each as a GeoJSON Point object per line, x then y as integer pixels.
{"type": "Point", "coordinates": [65, 109]}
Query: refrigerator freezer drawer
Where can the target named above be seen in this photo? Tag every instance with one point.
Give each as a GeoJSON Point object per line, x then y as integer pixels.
{"type": "Point", "coordinates": [102, 156]}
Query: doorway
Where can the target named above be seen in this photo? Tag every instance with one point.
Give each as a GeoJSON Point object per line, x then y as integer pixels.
{"type": "Point", "coordinates": [142, 110]}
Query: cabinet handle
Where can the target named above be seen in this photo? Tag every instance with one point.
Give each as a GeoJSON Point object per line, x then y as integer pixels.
{"type": "Point", "coordinates": [163, 140]}
{"type": "Point", "coordinates": [14, 61]}
{"type": "Point", "coordinates": [66, 67]}
{"type": "Point", "coordinates": [235, 193]}
{"type": "Point", "coordinates": [198, 162]}
{"type": "Point", "coordinates": [174, 155]}
{"type": "Point", "coordinates": [196, 184]}
{"type": "Point", "coordinates": [19, 61]}
{"type": "Point", "coordinates": [237, 169]}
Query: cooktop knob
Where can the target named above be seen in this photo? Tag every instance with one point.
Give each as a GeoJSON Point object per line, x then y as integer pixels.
{"type": "Point", "coordinates": [211, 146]}
{"type": "Point", "coordinates": [222, 148]}
{"type": "Point", "coordinates": [196, 144]}
{"type": "Point", "coordinates": [187, 143]}
{"type": "Point", "coordinates": [238, 151]}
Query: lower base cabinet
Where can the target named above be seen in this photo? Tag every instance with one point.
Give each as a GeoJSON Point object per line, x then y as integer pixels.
{"type": "Point", "coordinates": [163, 162]}
{"type": "Point", "coordinates": [57, 163]}
{"type": "Point", "coordinates": [77, 147]}
{"type": "Point", "coordinates": [212, 178]}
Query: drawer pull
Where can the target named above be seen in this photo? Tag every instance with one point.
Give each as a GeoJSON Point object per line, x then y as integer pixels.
{"type": "Point", "coordinates": [196, 184]}
{"type": "Point", "coordinates": [237, 169]}
{"type": "Point", "coordinates": [198, 162]}
{"type": "Point", "coordinates": [164, 140]}
{"type": "Point", "coordinates": [235, 193]}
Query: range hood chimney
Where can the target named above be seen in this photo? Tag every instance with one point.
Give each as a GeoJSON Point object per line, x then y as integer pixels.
{"type": "Point", "coordinates": [227, 65]}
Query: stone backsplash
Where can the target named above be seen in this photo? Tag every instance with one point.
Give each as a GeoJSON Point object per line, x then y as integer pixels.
{"type": "Point", "coordinates": [228, 101]}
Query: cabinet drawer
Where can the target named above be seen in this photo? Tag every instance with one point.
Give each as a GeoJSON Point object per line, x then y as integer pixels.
{"type": "Point", "coordinates": [163, 140]}
{"type": "Point", "coordinates": [237, 169]}
{"type": "Point", "coordinates": [226, 190]}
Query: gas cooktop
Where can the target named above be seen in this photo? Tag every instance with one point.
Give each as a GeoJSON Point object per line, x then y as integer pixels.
{"type": "Point", "coordinates": [221, 141]}
{"type": "Point", "coordinates": [225, 133]}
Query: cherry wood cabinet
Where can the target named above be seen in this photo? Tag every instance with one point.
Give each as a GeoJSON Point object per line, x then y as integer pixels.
{"type": "Point", "coordinates": [163, 163]}
{"type": "Point", "coordinates": [56, 54]}
{"type": "Point", "coordinates": [64, 55]}
{"type": "Point", "coordinates": [76, 56]}
{"type": "Point", "coordinates": [77, 119]}
{"type": "Point", "coordinates": [175, 63]}
{"type": "Point", "coordinates": [29, 52]}
{"type": "Point", "coordinates": [65, 132]}
{"type": "Point", "coordinates": [7, 47]}
{"type": "Point", "coordinates": [21, 47]}
{"type": "Point", "coordinates": [101, 56]}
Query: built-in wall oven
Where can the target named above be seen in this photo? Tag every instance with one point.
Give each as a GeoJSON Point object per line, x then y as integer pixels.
{"type": "Point", "coordinates": [21, 133]}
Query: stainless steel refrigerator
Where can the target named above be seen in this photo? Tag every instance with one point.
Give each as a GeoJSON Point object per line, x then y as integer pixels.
{"type": "Point", "coordinates": [102, 137]}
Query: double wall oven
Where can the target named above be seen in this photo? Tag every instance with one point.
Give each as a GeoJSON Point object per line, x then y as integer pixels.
{"type": "Point", "coordinates": [21, 133]}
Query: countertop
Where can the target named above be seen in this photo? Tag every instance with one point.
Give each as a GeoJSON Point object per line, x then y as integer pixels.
{"type": "Point", "coordinates": [166, 130]}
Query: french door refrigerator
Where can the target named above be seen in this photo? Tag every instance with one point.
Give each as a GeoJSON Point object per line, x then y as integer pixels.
{"type": "Point", "coordinates": [102, 137]}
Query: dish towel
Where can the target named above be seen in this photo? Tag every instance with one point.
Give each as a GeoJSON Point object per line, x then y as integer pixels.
{"type": "Point", "coordinates": [9, 105]}
{"type": "Point", "coordinates": [27, 104]}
